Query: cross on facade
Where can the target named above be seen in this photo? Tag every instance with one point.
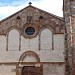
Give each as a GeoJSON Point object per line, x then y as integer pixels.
{"type": "Point", "coordinates": [29, 3]}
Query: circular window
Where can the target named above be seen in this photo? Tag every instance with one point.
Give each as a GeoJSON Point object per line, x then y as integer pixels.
{"type": "Point", "coordinates": [30, 31]}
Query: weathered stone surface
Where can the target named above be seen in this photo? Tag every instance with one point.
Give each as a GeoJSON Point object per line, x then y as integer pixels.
{"type": "Point", "coordinates": [69, 15]}
{"type": "Point", "coordinates": [45, 47]}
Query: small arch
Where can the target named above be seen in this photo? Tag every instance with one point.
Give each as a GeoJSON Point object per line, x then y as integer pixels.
{"type": "Point", "coordinates": [44, 27]}
{"type": "Point", "coordinates": [18, 18]}
{"type": "Point", "coordinates": [29, 53]}
{"type": "Point", "coordinates": [13, 27]}
{"type": "Point", "coordinates": [41, 17]}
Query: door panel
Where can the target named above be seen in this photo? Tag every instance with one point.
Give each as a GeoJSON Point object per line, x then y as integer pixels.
{"type": "Point", "coordinates": [29, 70]}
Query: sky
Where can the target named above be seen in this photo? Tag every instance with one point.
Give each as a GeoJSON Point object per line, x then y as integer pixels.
{"type": "Point", "coordinates": [9, 7]}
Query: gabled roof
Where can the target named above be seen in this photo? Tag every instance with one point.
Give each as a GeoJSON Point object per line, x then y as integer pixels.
{"type": "Point", "coordinates": [60, 18]}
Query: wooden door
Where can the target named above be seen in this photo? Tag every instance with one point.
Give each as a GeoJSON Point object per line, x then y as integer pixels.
{"type": "Point", "coordinates": [29, 70]}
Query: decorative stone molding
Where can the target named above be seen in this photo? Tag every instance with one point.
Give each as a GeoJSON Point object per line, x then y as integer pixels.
{"type": "Point", "coordinates": [13, 27]}
{"type": "Point", "coordinates": [29, 53]}
{"type": "Point", "coordinates": [30, 25]}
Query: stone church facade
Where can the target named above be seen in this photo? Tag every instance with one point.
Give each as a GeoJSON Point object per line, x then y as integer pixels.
{"type": "Point", "coordinates": [32, 43]}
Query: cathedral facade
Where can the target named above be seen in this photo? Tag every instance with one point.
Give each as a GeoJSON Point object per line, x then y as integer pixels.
{"type": "Point", "coordinates": [32, 43]}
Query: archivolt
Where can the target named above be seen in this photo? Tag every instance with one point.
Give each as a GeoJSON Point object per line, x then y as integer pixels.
{"type": "Point", "coordinates": [46, 27]}
{"type": "Point", "coordinates": [29, 53]}
{"type": "Point", "coordinates": [13, 27]}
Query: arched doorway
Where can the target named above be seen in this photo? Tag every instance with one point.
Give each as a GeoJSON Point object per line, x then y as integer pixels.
{"type": "Point", "coordinates": [29, 64]}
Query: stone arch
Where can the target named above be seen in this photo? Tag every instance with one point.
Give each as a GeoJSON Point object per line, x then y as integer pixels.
{"type": "Point", "coordinates": [44, 27]}
{"type": "Point", "coordinates": [11, 28]}
{"type": "Point", "coordinates": [36, 64]}
{"type": "Point", "coordinates": [29, 53]}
